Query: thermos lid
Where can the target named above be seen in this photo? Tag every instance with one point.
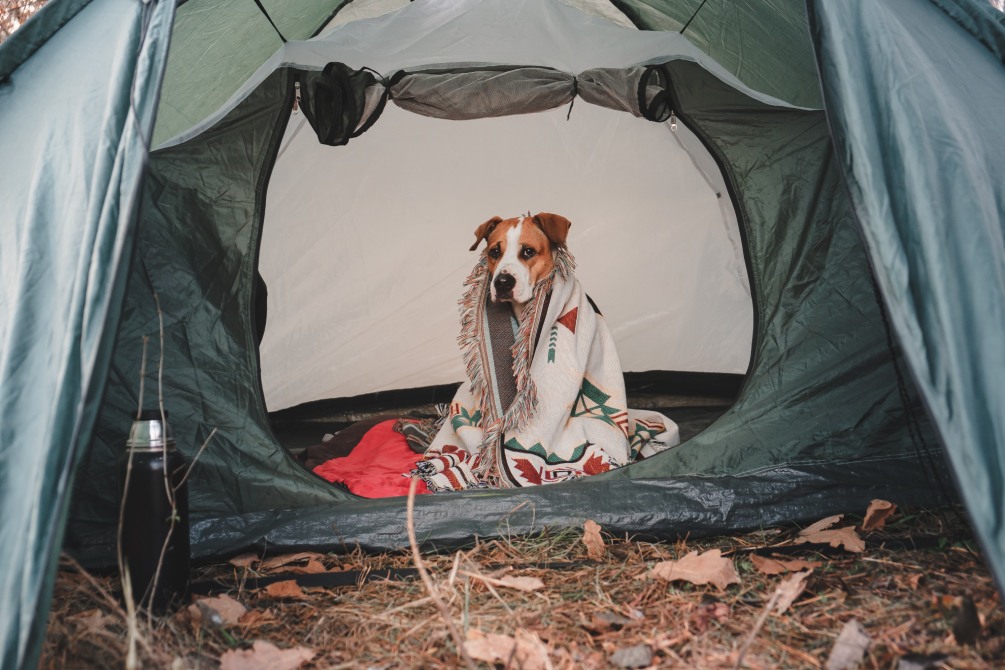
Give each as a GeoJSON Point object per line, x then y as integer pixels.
{"type": "Point", "coordinates": [150, 432]}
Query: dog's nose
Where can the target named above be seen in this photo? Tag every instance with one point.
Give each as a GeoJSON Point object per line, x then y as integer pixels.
{"type": "Point", "coordinates": [505, 283]}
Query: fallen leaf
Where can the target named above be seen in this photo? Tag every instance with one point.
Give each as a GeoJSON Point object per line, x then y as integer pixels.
{"type": "Point", "coordinates": [708, 568]}
{"type": "Point", "coordinates": [821, 525]}
{"type": "Point", "coordinates": [265, 656]}
{"type": "Point", "coordinates": [772, 566]}
{"type": "Point", "coordinates": [790, 589]}
{"type": "Point", "coordinates": [521, 583]}
{"type": "Point", "coordinates": [849, 648]}
{"type": "Point", "coordinates": [220, 611]}
{"type": "Point", "coordinates": [244, 560]}
{"type": "Point", "coordinates": [638, 656]}
{"type": "Point", "coordinates": [877, 514]}
{"type": "Point", "coordinates": [313, 567]}
{"type": "Point", "coordinates": [255, 618]}
{"type": "Point", "coordinates": [288, 588]}
{"type": "Point", "coordinates": [839, 537]}
{"type": "Point", "coordinates": [524, 651]}
{"type": "Point", "coordinates": [286, 559]}
{"type": "Point", "coordinates": [594, 542]}
{"type": "Point", "coordinates": [518, 583]}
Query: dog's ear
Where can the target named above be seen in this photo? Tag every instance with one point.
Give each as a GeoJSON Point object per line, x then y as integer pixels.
{"type": "Point", "coordinates": [483, 231]}
{"type": "Point", "coordinates": [555, 227]}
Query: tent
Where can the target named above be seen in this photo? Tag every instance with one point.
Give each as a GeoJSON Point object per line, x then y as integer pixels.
{"type": "Point", "coordinates": [843, 159]}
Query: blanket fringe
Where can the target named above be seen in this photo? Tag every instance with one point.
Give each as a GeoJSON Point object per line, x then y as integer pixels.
{"type": "Point", "coordinates": [472, 340]}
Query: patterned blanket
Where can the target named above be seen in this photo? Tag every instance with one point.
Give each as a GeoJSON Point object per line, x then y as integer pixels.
{"type": "Point", "coordinates": [545, 398]}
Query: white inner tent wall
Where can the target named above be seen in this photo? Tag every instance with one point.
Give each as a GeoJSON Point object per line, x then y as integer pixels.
{"type": "Point", "coordinates": [365, 247]}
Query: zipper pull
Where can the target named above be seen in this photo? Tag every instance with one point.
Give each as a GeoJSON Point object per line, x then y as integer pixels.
{"type": "Point", "coordinates": [673, 120]}
{"type": "Point", "coordinates": [296, 99]}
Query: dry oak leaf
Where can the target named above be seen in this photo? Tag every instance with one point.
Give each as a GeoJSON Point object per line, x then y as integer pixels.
{"type": "Point", "coordinates": [849, 648]}
{"type": "Point", "coordinates": [636, 656]}
{"type": "Point", "coordinates": [823, 524]}
{"type": "Point", "coordinates": [518, 583]}
{"type": "Point", "coordinates": [286, 559]}
{"type": "Point", "coordinates": [822, 533]}
{"type": "Point", "coordinates": [708, 568]}
{"type": "Point", "coordinates": [790, 589]}
{"type": "Point", "coordinates": [219, 611]}
{"type": "Point", "coordinates": [313, 567]}
{"type": "Point", "coordinates": [877, 514]}
{"type": "Point", "coordinates": [265, 656]}
{"type": "Point", "coordinates": [594, 542]}
{"type": "Point", "coordinates": [288, 588]}
{"type": "Point", "coordinates": [774, 566]}
{"type": "Point", "coordinates": [525, 651]}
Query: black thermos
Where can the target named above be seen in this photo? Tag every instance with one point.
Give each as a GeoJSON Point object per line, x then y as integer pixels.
{"type": "Point", "coordinates": [155, 521]}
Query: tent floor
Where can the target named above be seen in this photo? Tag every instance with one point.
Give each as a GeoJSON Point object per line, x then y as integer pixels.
{"type": "Point", "coordinates": [693, 414]}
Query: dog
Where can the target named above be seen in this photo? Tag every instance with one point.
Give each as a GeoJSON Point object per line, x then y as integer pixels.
{"type": "Point", "coordinates": [544, 401]}
{"type": "Point", "coordinates": [520, 252]}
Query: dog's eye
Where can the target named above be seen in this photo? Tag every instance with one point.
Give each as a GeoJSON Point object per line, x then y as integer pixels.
{"type": "Point", "coordinates": [495, 252]}
{"type": "Point", "coordinates": [527, 253]}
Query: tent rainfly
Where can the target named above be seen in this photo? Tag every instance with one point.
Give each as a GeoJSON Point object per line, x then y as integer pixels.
{"type": "Point", "coordinates": [805, 194]}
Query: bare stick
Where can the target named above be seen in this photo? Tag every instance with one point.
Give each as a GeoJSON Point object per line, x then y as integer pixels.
{"type": "Point", "coordinates": [169, 490]}
{"type": "Point", "coordinates": [188, 470]}
{"type": "Point", "coordinates": [143, 375]}
{"type": "Point", "coordinates": [426, 580]}
{"type": "Point", "coordinates": [132, 627]}
{"type": "Point", "coordinates": [127, 587]}
{"type": "Point", "coordinates": [757, 628]}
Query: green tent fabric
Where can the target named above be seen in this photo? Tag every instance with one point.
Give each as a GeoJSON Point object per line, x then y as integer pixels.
{"type": "Point", "coordinates": [792, 420]}
{"type": "Point", "coordinates": [871, 313]}
{"type": "Point", "coordinates": [825, 395]}
{"type": "Point", "coordinates": [77, 128]}
{"type": "Point", "coordinates": [933, 211]}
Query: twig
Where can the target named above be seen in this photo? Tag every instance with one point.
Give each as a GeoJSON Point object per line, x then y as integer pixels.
{"type": "Point", "coordinates": [132, 626]}
{"type": "Point", "coordinates": [426, 580]}
{"type": "Point", "coordinates": [757, 628]}
{"type": "Point", "coordinates": [143, 375]}
{"type": "Point", "coordinates": [188, 469]}
{"type": "Point", "coordinates": [167, 474]}
{"type": "Point", "coordinates": [127, 587]}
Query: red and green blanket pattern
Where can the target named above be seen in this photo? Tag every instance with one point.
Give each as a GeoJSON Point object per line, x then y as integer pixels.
{"type": "Point", "coordinates": [567, 416]}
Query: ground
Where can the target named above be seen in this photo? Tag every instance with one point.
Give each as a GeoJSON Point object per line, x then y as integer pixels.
{"type": "Point", "coordinates": [563, 600]}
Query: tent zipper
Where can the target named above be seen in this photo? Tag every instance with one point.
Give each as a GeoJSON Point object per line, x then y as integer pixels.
{"type": "Point", "coordinates": [296, 97]}
{"type": "Point", "coordinates": [674, 104]}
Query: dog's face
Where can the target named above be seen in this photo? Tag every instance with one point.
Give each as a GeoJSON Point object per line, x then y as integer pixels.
{"type": "Point", "coordinates": [520, 252]}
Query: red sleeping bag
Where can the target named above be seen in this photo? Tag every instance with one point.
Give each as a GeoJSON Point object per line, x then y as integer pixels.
{"type": "Point", "coordinates": [376, 466]}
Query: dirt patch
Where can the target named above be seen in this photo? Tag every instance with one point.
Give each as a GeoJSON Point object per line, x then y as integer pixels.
{"type": "Point", "coordinates": [557, 601]}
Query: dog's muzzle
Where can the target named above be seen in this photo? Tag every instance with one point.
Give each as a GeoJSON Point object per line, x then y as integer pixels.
{"type": "Point", "coordinates": [504, 285]}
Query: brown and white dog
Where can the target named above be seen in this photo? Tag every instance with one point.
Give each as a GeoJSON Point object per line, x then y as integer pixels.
{"type": "Point", "coordinates": [520, 253]}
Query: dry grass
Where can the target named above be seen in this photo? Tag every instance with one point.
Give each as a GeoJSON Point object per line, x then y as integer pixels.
{"type": "Point", "coordinates": [905, 589]}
